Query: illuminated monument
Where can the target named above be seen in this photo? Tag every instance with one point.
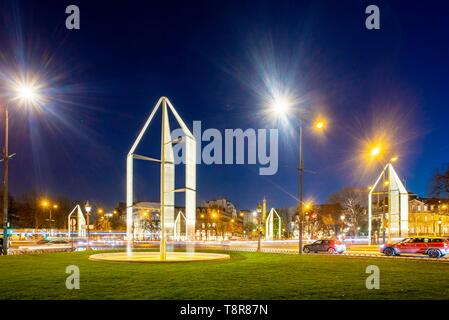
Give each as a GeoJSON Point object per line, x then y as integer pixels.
{"type": "Point", "coordinates": [390, 198]}
{"type": "Point", "coordinates": [169, 226]}
{"type": "Point", "coordinates": [167, 165]}
{"type": "Point", "coordinates": [269, 227]}
{"type": "Point", "coordinates": [79, 222]}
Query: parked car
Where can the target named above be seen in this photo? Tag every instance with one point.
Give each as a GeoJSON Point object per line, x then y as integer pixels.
{"type": "Point", "coordinates": [330, 246]}
{"type": "Point", "coordinates": [434, 247]}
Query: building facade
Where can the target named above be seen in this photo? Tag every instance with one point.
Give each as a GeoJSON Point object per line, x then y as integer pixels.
{"type": "Point", "coordinates": [218, 220]}
{"type": "Point", "coordinates": [428, 217]}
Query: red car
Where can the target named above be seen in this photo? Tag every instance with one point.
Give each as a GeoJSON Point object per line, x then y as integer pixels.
{"type": "Point", "coordinates": [433, 247]}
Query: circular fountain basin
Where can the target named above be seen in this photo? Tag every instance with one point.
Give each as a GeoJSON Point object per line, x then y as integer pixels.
{"type": "Point", "coordinates": [154, 257]}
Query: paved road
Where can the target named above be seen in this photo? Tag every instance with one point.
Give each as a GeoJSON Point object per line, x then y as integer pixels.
{"type": "Point", "coordinates": [286, 247]}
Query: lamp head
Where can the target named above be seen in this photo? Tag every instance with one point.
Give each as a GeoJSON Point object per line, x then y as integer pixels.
{"type": "Point", "coordinates": [27, 93]}
{"type": "Point", "coordinates": [88, 207]}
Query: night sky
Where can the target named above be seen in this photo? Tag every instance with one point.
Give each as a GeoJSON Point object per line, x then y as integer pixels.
{"type": "Point", "coordinates": [211, 58]}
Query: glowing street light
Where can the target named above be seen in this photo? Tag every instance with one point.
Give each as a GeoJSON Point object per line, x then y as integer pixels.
{"type": "Point", "coordinates": [319, 124]}
{"type": "Point", "coordinates": [27, 93]}
{"type": "Point", "coordinates": [375, 151]}
{"type": "Point", "coordinates": [281, 104]}
{"type": "Point", "coordinates": [307, 205]}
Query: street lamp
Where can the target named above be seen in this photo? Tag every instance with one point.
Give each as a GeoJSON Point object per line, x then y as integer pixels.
{"type": "Point", "coordinates": [259, 211]}
{"type": "Point", "coordinates": [26, 93]}
{"type": "Point", "coordinates": [88, 208]}
{"type": "Point", "coordinates": [282, 104]}
{"type": "Point", "coordinates": [46, 204]}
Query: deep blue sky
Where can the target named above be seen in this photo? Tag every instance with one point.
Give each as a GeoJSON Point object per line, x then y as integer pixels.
{"type": "Point", "coordinates": [208, 58]}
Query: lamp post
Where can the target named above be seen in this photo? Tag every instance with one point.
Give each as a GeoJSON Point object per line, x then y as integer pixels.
{"type": "Point", "coordinates": [45, 204]}
{"type": "Point", "coordinates": [281, 105]}
{"type": "Point", "coordinates": [301, 211]}
{"type": "Point", "coordinates": [26, 93]}
{"type": "Point", "coordinates": [88, 208]}
{"type": "Point", "coordinates": [214, 216]}
{"type": "Point", "coordinates": [5, 184]}
{"type": "Point", "coordinates": [259, 211]}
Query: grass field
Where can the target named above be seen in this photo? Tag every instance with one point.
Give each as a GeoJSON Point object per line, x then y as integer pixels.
{"type": "Point", "coordinates": [244, 276]}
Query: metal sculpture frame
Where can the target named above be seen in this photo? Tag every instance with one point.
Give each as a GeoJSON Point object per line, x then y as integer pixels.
{"type": "Point", "coordinates": [167, 165]}
{"type": "Point", "coordinates": [397, 203]}
{"type": "Point", "coordinates": [269, 227]}
{"type": "Point", "coordinates": [177, 226]}
{"type": "Point", "coordinates": [80, 223]}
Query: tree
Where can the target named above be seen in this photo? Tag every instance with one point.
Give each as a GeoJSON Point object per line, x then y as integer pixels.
{"type": "Point", "coordinates": [249, 228]}
{"type": "Point", "coordinates": [440, 183]}
{"type": "Point", "coordinates": [150, 225]}
{"type": "Point", "coordinates": [329, 217]}
{"type": "Point", "coordinates": [60, 214]}
{"type": "Point", "coordinates": [118, 220]}
{"type": "Point", "coordinates": [28, 212]}
{"type": "Point", "coordinates": [352, 203]}
{"type": "Point", "coordinates": [12, 208]}
{"type": "Point", "coordinates": [102, 223]}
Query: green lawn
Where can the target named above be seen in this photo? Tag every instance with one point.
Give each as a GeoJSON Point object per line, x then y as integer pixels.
{"type": "Point", "coordinates": [244, 276]}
